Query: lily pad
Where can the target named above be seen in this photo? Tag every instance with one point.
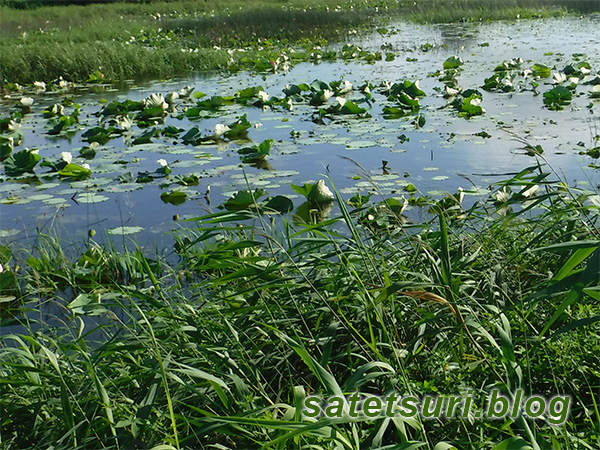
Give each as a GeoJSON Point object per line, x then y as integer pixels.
{"type": "Point", "coordinates": [122, 231]}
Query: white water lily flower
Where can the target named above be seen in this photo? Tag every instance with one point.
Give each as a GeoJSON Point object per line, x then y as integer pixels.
{"type": "Point", "coordinates": [326, 95]}
{"type": "Point", "coordinates": [162, 162]}
{"type": "Point", "coordinates": [39, 85]}
{"type": "Point", "coordinates": [574, 80]}
{"type": "Point", "coordinates": [341, 100]}
{"type": "Point", "coordinates": [450, 92]}
{"type": "Point", "coordinates": [13, 125]}
{"type": "Point", "coordinates": [1, 268]}
{"type": "Point", "coordinates": [63, 84]}
{"type": "Point", "coordinates": [502, 195]}
{"type": "Point", "coordinates": [25, 102]}
{"type": "Point", "coordinates": [171, 97]}
{"type": "Point", "coordinates": [156, 101]}
{"type": "Point", "coordinates": [320, 193]}
{"type": "Point", "coordinates": [263, 96]}
{"type": "Point", "coordinates": [558, 78]}
{"type": "Point", "coordinates": [221, 129]}
{"type": "Point", "coordinates": [123, 123]}
{"type": "Point", "coordinates": [531, 191]}
{"type": "Point", "coordinates": [86, 166]}
{"type": "Point", "coordinates": [186, 91]}
{"type": "Point", "coordinates": [66, 157]}
{"type": "Point", "coordinates": [345, 87]}
{"type": "Point", "coordinates": [475, 101]}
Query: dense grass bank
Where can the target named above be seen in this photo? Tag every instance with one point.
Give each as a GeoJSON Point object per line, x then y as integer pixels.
{"type": "Point", "coordinates": [216, 344]}
{"type": "Point", "coordinates": [162, 39]}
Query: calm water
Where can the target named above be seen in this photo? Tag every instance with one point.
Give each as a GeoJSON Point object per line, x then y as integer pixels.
{"type": "Point", "coordinates": [435, 159]}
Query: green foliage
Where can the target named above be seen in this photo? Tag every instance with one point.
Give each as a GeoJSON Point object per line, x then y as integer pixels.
{"type": "Point", "coordinates": [224, 343]}
{"type": "Point", "coordinates": [21, 162]}
{"type": "Point", "coordinates": [557, 98]}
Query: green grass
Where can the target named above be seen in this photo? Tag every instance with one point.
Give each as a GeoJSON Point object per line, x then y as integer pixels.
{"type": "Point", "coordinates": [218, 342]}
{"type": "Point", "coordinates": [44, 43]}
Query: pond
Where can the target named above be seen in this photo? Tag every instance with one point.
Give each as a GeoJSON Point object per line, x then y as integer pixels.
{"type": "Point", "coordinates": [537, 82]}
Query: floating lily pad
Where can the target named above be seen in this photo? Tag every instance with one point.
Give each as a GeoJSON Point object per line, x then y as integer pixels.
{"type": "Point", "coordinates": [90, 197]}
{"type": "Point", "coordinates": [355, 145]}
{"type": "Point", "coordinates": [6, 233]}
{"type": "Point", "coordinates": [122, 231]}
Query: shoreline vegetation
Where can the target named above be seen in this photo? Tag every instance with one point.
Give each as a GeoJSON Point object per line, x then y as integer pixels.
{"type": "Point", "coordinates": [219, 342]}
{"type": "Point", "coordinates": [155, 39]}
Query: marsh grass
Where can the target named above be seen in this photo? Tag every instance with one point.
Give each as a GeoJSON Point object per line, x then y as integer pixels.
{"type": "Point", "coordinates": [221, 346]}
{"type": "Point", "coordinates": [144, 40]}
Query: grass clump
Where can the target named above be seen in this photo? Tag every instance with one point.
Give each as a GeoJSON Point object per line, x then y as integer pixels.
{"type": "Point", "coordinates": [220, 342]}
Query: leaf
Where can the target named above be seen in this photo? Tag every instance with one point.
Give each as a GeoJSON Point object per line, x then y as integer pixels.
{"type": "Point", "coordinates": [75, 171]}
{"type": "Point", "coordinates": [238, 129]}
{"type": "Point", "coordinates": [302, 190]}
{"type": "Point", "coordinates": [174, 197]}
{"type": "Point", "coordinates": [453, 63]}
{"type": "Point", "coordinates": [280, 204]}
{"type": "Point", "coordinates": [513, 443]}
{"type": "Point", "coordinates": [243, 199]}
{"type": "Point", "coordinates": [541, 70]}
{"type": "Point", "coordinates": [21, 162]}
{"type": "Point", "coordinates": [125, 230]}
{"type": "Point", "coordinates": [557, 97]}
{"type": "Point", "coordinates": [350, 107]}
{"type": "Point", "coordinates": [256, 152]}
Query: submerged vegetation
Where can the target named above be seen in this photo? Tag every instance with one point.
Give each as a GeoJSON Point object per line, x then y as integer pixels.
{"type": "Point", "coordinates": [217, 343]}
{"type": "Point", "coordinates": [165, 39]}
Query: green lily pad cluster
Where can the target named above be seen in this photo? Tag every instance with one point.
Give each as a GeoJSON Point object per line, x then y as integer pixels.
{"type": "Point", "coordinates": [10, 135]}
{"type": "Point", "coordinates": [248, 200]}
{"type": "Point", "coordinates": [468, 104]}
{"type": "Point", "coordinates": [406, 96]}
{"type": "Point", "coordinates": [451, 69]}
{"type": "Point", "coordinates": [351, 52]}
{"type": "Point", "coordinates": [557, 98]}
{"type": "Point", "coordinates": [235, 130]}
{"type": "Point", "coordinates": [256, 153]}
{"type": "Point", "coordinates": [319, 199]}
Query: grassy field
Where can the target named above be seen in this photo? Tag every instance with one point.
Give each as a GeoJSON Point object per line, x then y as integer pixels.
{"type": "Point", "coordinates": [164, 39]}
{"type": "Point", "coordinates": [217, 344]}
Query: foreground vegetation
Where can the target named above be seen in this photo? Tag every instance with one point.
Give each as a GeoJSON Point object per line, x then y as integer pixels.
{"type": "Point", "coordinates": [165, 39]}
{"type": "Point", "coordinates": [216, 344]}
